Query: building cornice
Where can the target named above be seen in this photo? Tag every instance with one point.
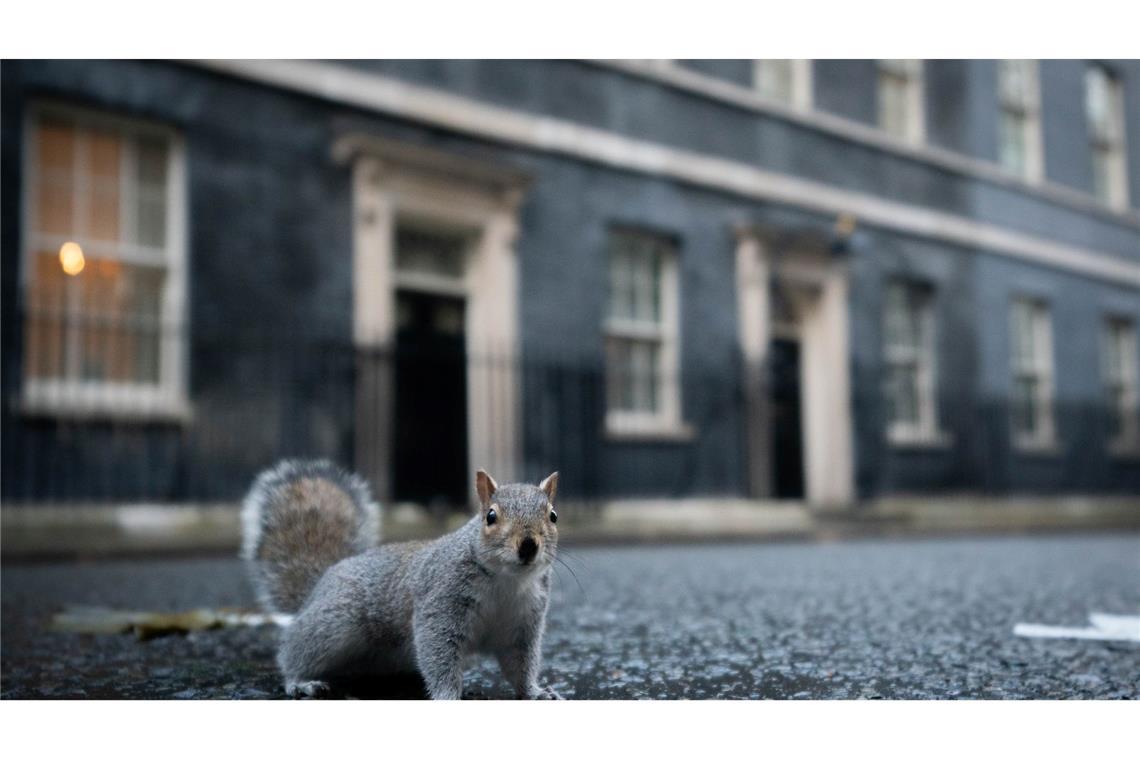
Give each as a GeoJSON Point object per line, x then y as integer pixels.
{"type": "Point", "coordinates": [546, 134]}
{"type": "Point", "coordinates": [429, 160]}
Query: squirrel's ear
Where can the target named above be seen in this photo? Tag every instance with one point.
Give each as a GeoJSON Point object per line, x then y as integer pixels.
{"type": "Point", "coordinates": [550, 486]}
{"type": "Point", "coordinates": [485, 486]}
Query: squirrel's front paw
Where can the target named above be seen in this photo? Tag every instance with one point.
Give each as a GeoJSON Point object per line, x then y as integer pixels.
{"type": "Point", "coordinates": [546, 692]}
{"type": "Point", "coordinates": [311, 689]}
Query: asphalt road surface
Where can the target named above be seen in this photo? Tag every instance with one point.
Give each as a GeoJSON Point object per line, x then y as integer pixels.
{"type": "Point", "coordinates": [914, 619]}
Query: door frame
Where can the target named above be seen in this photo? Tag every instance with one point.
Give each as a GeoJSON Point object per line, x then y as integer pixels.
{"type": "Point", "coordinates": [818, 280]}
{"type": "Point", "coordinates": [394, 182]}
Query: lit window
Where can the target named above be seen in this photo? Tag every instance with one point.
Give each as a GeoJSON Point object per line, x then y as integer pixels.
{"type": "Point", "coordinates": [784, 81]}
{"type": "Point", "coordinates": [1032, 364]}
{"type": "Point", "coordinates": [900, 98]}
{"type": "Point", "coordinates": [1019, 126]}
{"type": "Point", "coordinates": [104, 276]}
{"type": "Point", "coordinates": [1121, 392]}
{"type": "Point", "coordinates": [911, 382]}
{"type": "Point", "coordinates": [642, 387]}
{"type": "Point", "coordinates": [1104, 110]}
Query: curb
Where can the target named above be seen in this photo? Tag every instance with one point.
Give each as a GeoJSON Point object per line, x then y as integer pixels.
{"type": "Point", "coordinates": [31, 533]}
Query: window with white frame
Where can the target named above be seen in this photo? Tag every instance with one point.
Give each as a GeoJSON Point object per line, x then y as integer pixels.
{"type": "Point", "coordinates": [900, 98]}
{"type": "Point", "coordinates": [909, 354]}
{"type": "Point", "coordinates": [1104, 110]}
{"type": "Point", "coordinates": [1032, 365]}
{"type": "Point", "coordinates": [1019, 124]}
{"type": "Point", "coordinates": [783, 80]}
{"type": "Point", "coordinates": [1120, 380]}
{"type": "Point", "coordinates": [103, 266]}
{"type": "Point", "coordinates": [641, 334]}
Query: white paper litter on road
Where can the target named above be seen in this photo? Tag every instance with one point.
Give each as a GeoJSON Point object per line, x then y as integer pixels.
{"type": "Point", "coordinates": [256, 618]}
{"type": "Point", "coordinates": [1103, 628]}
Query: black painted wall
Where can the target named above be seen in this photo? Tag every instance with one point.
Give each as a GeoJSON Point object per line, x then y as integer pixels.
{"type": "Point", "coordinates": [270, 245]}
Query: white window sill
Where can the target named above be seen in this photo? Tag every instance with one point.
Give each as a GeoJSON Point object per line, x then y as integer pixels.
{"type": "Point", "coordinates": [97, 402]}
{"type": "Point", "coordinates": [629, 431]}
{"type": "Point", "coordinates": [937, 440]}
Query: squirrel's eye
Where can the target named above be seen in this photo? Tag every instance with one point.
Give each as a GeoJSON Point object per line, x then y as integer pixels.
{"type": "Point", "coordinates": [553, 516]}
{"type": "Point", "coordinates": [491, 517]}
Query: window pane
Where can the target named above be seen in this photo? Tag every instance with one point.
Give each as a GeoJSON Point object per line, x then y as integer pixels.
{"type": "Point", "coordinates": [55, 209]}
{"type": "Point", "coordinates": [1012, 148]}
{"type": "Point", "coordinates": [152, 159]}
{"type": "Point", "coordinates": [632, 376]}
{"type": "Point", "coordinates": [151, 218]}
{"type": "Point", "coordinates": [621, 286]}
{"type": "Point", "coordinates": [647, 280]}
{"type": "Point", "coordinates": [150, 176]}
{"type": "Point", "coordinates": [774, 80]}
{"type": "Point", "coordinates": [1098, 105]}
{"type": "Point", "coordinates": [1119, 359]}
{"type": "Point", "coordinates": [902, 393]}
{"type": "Point", "coordinates": [1102, 167]}
{"type": "Point", "coordinates": [645, 376]}
{"type": "Point", "coordinates": [103, 211]}
{"type": "Point", "coordinates": [619, 385]}
{"type": "Point", "coordinates": [44, 349]}
{"type": "Point", "coordinates": [909, 354]}
{"type": "Point", "coordinates": [1023, 317]}
{"type": "Point", "coordinates": [906, 306]}
{"type": "Point", "coordinates": [55, 142]}
{"type": "Point", "coordinates": [102, 183]}
{"type": "Point", "coordinates": [898, 80]}
{"type": "Point", "coordinates": [1025, 406]}
{"type": "Point", "coordinates": [892, 105]}
{"type": "Point", "coordinates": [899, 321]}
{"type": "Point", "coordinates": [104, 155]}
{"type": "Point", "coordinates": [1014, 82]}
{"type": "Point", "coordinates": [635, 277]}
{"type": "Point", "coordinates": [120, 330]}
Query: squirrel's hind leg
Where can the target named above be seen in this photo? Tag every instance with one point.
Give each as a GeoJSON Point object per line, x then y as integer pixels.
{"type": "Point", "coordinates": [323, 641]}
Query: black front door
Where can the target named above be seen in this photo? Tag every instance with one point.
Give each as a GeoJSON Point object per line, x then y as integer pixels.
{"type": "Point", "coordinates": [787, 436]}
{"type": "Point", "coordinates": [430, 459]}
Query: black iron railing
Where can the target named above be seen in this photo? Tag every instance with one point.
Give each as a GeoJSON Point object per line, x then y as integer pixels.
{"type": "Point", "coordinates": [79, 427]}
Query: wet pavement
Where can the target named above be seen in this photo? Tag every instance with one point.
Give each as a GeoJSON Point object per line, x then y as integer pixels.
{"type": "Point", "coordinates": [913, 619]}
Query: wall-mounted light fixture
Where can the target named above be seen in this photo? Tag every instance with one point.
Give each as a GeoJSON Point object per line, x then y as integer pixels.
{"type": "Point", "coordinates": [71, 258]}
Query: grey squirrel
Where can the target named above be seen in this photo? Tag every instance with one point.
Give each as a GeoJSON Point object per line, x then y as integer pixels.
{"type": "Point", "coordinates": [310, 532]}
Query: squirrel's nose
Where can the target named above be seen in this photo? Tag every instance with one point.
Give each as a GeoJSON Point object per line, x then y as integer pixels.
{"type": "Point", "coordinates": [527, 550]}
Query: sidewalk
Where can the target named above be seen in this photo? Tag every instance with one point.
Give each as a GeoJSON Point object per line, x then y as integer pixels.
{"type": "Point", "coordinates": [45, 531]}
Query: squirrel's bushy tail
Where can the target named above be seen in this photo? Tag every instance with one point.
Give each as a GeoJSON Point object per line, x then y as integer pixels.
{"type": "Point", "coordinates": [299, 518]}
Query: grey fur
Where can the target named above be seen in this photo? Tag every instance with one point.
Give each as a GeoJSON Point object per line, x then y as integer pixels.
{"type": "Point", "coordinates": [428, 606]}
{"type": "Point", "coordinates": [299, 518]}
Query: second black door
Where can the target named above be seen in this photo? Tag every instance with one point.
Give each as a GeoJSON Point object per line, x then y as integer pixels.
{"type": "Point", "coordinates": [787, 437]}
{"type": "Point", "coordinates": [430, 455]}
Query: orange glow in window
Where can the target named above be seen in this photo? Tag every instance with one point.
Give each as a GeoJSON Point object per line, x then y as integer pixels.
{"type": "Point", "coordinates": [71, 258]}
